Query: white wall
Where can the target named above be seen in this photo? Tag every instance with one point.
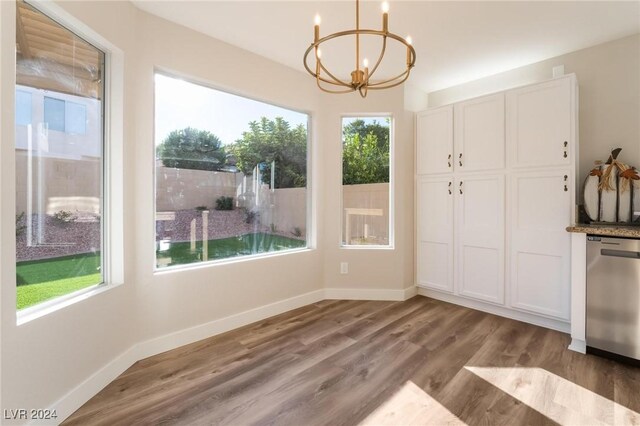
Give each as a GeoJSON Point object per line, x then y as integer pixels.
{"type": "Point", "coordinates": [368, 268]}
{"type": "Point", "coordinates": [609, 80]}
{"type": "Point", "coordinates": [44, 359]}
{"type": "Point", "coordinates": [48, 357]}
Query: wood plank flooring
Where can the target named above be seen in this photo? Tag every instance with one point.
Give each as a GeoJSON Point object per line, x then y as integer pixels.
{"type": "Point", "coordinates": [421, 361]}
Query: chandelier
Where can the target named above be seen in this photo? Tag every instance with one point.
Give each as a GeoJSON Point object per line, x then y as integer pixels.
{"type": "Point", "coordinates": [361, 76]}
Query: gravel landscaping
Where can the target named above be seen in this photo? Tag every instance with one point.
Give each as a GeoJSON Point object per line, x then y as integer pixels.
{"type": "Point", "coordinates": [82, 233]}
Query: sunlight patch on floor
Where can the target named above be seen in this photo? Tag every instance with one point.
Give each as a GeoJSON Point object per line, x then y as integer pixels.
{"type": "Point", "coordinates": [410, 405]}
{"type": "Point", "coordinates": [555, 397]}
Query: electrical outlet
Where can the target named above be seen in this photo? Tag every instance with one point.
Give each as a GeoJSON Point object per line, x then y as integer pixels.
{"type": "Point", "coordinates": [344, 268]}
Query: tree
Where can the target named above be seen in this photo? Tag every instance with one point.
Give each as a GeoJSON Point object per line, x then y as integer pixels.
{"type": "Point", "coordinates": [270, 141]}
{"type": "Point", "coordinates": [365, 154]}
{"type": "Point", "coordinates": [359, 127]}
{"type": "Point", "coordinates": [192, 149]}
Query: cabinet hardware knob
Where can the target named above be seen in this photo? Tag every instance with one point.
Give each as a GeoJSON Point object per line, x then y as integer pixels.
{"type": "Point", "coordinates": [460, 162]}
{"type": "Point", "coordinates": [565, 154]}
{"type": "Point", "coordinates": [566, 188]}
{"type": "Point", "coordinates": [461, 192]}
{"type": "Point", "coordinates": [449, 163]}
{"type": "Point", "coordinates": [566, 177]}
{"type": "Point", "coordinates": [566, 144]}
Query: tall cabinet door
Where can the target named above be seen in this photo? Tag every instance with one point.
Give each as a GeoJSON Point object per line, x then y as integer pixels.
{"type": "Point", "coordinates": [480, 257]}
{"type": "Point", "coordinates": [435, 141]}
{"type": "Point", "coordinates": [479, 134]}
{"type": "Point", "coordinates": [539, 124]}
{"type": "Point", "coordinates": [540, 250]}
{"type": "Point", "coordinates": [435, 233]}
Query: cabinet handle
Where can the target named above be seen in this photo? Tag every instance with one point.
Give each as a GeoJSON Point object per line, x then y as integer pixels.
{"type": "Point", "coordinates": [449, 189]}
{"type": "Point", "coordinates": [460, 187]}
{"type": "Point", "coordinates": [449, 160]}
{"type": "Point", "coordinates": [460, 159]}
{"type": "Point", "coordinates": [566, 144]}
{"type": "Point", "coordinates": [566, 188]}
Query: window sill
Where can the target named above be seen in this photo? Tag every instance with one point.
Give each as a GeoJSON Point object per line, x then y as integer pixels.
{"type": "Point", "coordinates": [45, 308]}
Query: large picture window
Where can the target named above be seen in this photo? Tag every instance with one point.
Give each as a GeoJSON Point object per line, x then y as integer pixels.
{"type": "Point", "coordinates": [366, 176]}
{"type": "Point", "coordinates": [59, 160]}
{"type": "Point", "coordinates": [231, 175]}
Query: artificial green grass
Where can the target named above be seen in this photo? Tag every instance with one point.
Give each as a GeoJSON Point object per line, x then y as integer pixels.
{"type": "Point", "coordinates": [180, 253]}
{"type": "Point", "coordinates": [40, 280]}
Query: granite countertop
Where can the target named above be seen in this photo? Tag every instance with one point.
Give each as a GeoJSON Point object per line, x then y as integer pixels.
{"type": "Point", "coordinates": [606, 230]}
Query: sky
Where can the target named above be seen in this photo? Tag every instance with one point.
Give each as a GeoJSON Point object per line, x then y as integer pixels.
{"type": "Point", "coordinates": [181, 104]}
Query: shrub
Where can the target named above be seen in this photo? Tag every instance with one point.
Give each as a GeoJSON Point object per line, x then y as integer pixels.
{"type": "Point", "coordinates": [250, 216]}
{"type": "Point", "coordinates": [63, 217]}
{"type": "Point", "coordinates": [297, 232]}
{"type": "Point", "coordinates": [20, 227]}
{"type": "Point", "coordinates": [224, 203]}
{"type": "Point", "coordinates": [202, 208]}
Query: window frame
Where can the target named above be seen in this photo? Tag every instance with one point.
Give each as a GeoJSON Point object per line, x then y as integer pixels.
{"type": "Point", "coordinates": [391, 245]}
{"type": "Point", "coordinates": [111, 188]}
{"type": "Point", "coordinates": [310, 235]}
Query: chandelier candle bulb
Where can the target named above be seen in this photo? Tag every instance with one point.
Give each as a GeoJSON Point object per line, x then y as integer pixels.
{"type": "Point", "coordinates": [409, 50]}
{"type": "Point", "coordinates": [316, 29]}
{"type": "Point", "coordinates": [385, 17]}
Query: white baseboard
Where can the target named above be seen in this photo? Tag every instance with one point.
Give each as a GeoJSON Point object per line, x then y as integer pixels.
{"type": "Point", "coordinates": [370, 294]}
{"type": "Point", "coordinates": [78, 396]}
{"type": "Point", "coordinates": [193, 334]}
{"type": "Point", "coordinates": [562, 326]}
{"type": "Point", "coordinates": [578, 345]}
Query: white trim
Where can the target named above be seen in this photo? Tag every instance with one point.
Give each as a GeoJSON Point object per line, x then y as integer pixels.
{"type": "Point", "coordinates": [578, 345]}
{"type": "Point", "coordinates": [79, 395]}
{"type": "Point", "coordinates": [497, 310]}
{"type": "Point", "coordinates": [578, 287]}
{"type": "Point", "coordinates": [112, 193]}
{"type": "Point", "coordinates": [193, 334]}
{"type": "Point", "coordinates": [310, 237]}
{"type": "Point", "coordinates": [392, 178]}
{"type": "Point", "coordinates": [369, 294]}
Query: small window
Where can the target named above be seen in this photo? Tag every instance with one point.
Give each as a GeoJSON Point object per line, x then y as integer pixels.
{"type": "Point", "coordinates": [75, 118]}
{"type": "Point", "coordinates": [23, 108]}
{"type": "Point", "coordinates": [231, 175]}
{"type": "Point", "coordinates": [54, 114]}
{"type": "Point", "coordinates": [366, 190]}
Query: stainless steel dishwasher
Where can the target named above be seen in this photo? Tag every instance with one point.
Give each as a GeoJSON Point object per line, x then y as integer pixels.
{"type": "Point", "coordinates": [613, 297]}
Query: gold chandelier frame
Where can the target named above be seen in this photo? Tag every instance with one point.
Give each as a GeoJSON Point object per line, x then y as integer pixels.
{"type": "Point", "coordinates": [360, 78]}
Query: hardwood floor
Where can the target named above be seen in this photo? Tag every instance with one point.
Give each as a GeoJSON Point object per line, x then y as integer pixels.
{"type": "Point", "coordinates": [420, 361]}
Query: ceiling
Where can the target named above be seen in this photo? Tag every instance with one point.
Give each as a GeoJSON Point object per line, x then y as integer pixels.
{"type": "Point", "coordinates": [455, 42]}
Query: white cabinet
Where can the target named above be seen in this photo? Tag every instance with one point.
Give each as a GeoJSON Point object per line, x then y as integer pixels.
{"type": "Point", "coordinates": [435, 233]}
{"type": "Point", "coordinates": [480, 257]}
{"type": "Point", "coordinates": [434, 130]}
{"type": "Point", "coordinates": [540, 211]}
{"type": "Point", "coordinates": [479, 134]}
{"type": "Point", "coordinates": [540, 124]}
{"type": "Point", "coordinates": [495, 193]}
